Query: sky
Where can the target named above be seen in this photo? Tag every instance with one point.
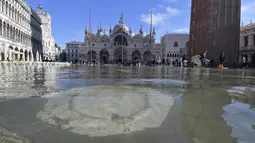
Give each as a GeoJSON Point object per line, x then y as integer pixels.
{"type": "Point", "coordinates": [69, 18]}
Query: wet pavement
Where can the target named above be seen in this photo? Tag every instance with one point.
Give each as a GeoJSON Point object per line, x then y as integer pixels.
{"type": "Point", "coordinates": [126, 104]}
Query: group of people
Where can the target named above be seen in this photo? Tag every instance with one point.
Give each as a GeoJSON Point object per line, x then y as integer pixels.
{"type": "Point", "coordinates": [204, 62]}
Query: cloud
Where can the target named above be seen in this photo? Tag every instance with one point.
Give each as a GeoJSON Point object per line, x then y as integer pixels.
{"type": "Point", "coordinates": [160, 18]}
{"type": "Point", "coordinates": [182, 30]}
{"type": "Point", "coordinates": [247, 11]}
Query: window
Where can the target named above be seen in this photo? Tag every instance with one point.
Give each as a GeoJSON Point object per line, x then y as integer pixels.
{"type": "Point", "coordinates": [213, 42]}
{"type": "Point", "coordinates": [214, 26]}
{"type": "Point", "coordinates": [215, 11]}
{"type": "Point", "coordinates": [246, 41]}
{"type": "Point", "coordinates": [176, 44]}
{"type": "Point", "coordinates": [253, 39]}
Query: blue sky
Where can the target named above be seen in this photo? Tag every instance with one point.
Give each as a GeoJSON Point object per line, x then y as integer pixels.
{"type": "Point", "coordinates": [69, 18]}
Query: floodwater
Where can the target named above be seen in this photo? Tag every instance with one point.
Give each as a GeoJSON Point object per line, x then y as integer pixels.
{"type": "Point", "coordinates": [126, 104]}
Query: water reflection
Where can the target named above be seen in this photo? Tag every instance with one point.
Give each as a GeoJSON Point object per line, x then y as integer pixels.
{"type": "Point", "coordinates": [107, 110]}
{"type": "Point", "coordinates": [23, 81]}
{"type": "Point", "coordinates": [240, 114]}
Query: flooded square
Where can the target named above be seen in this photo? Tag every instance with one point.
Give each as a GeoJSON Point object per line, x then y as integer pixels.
{"type": "Point", "coordinates": [95, 104]}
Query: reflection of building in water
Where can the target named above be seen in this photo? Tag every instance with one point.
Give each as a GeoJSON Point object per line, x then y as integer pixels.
{"type": "Point", "coordinates": [23, 81]}
{"type": "Point", "coordinates": [201, 116]}
{"type": "Point", "coordinates": [240, 114]}
{"type": "Point", "coordinates": [103, 114]}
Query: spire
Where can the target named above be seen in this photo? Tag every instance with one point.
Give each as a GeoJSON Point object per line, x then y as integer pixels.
{"type": "Point", "coordinates": [121, 17]}
{"type": "Point", "coordinates": [130, 30]}
{"type": "Point", "coordinates": [110, 31]}
{"type": "Point", "coordinates": [40, 7]}
{"type": "Point", "coordinates": [141, 29]}
{"type": "Point", "coordinates": [86, 30]}
{"type": "Point", "coordinates": [100, 27]}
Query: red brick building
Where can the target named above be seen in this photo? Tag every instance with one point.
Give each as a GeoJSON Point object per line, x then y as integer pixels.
{"type": "Point", "coordinates": [215, 28]}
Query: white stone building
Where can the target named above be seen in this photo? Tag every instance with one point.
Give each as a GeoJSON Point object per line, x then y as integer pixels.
{"type": "Point", "coordinates": [48, 42]}
{"type": "Point", "coordinates": [247, 43]}
{"type": "Point", "coordinates": [20, 32]}
{"type": "Point", "coordinates": [116, 47]}
{"type": "Point", "coordinates": [74, 51]}
{"type": "Point", "coordinates": [174, 46]}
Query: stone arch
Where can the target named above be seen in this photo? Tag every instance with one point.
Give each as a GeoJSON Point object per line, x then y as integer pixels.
{"type": "Point", "coordinates": [3, 6]}
{"type": "Point", "coordinates": [176, 44]}
{"type": "Point", "coordinates": [21, 55]}
{"type": "Point", "coordinates": [2, 56]}
{"type": "Point", "coordinates": [136, 56]}
{"type": "Point", "coordinates": [147, 56]}
{"type": "Point", "coordinates": [120, 40]}
{"type": "Point", "coordinates": [104, 56]}
{"type": "Point", "coordinates": [26, 55]}
{"type": "Point", "coordinates": [92, 56]}
{"type": "Point", "coordinates": [7, 31]}
{"type": "Point", "coordinates": [1, 27]}
{"type": "Point", "coordinates": [30, 55]}
{"type": "Point", "coordinates": [119, 56]}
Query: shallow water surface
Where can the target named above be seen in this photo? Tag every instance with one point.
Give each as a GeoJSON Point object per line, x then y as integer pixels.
{"type": "Point", "coordinates": [126, 104]}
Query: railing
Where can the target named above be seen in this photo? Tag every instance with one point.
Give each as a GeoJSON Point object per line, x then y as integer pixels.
{"type": "Point", "coordinates": [249, 48]}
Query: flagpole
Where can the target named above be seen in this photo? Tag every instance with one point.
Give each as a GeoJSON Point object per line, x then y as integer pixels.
{"type": "Point", "coordinates": [150, 33]}
{"type": "Point", "coordinates": [122, 37]}
{"type": "Point", "coordinates": [90, 29]}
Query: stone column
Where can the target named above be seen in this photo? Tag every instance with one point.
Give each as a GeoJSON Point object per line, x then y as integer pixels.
{"type": "Point", "coordinates": [32, 57]}
{"type": "Point", "coordinates": [98, 58]}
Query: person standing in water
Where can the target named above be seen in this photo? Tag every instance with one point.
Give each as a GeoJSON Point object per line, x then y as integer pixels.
{"type": "Point", "coordinates": [222, 59]}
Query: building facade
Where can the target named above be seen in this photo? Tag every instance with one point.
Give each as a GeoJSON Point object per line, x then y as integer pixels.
{"type": "Point", "coordinates": [247, 43]}
{"type": "Point", "coordinates": [215, 28]}
{"type": "Point", "coordinates": [48, 42]}
{"type": "Point", "coordinates": [75, 52]}
{"type": "Point", "coordinates": [120, 45]}
{"type": "Point", "coordinates": [20, 32]}
{"type": "Point", "coordinates": [174, 46]}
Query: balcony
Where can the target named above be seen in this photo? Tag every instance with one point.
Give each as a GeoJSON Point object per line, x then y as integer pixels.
{"type": "Point", "coordinates": [247, 49]}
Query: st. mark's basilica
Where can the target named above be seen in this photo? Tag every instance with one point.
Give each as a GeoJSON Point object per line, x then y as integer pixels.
{"type": "Point", "coordinates": [120, 45]}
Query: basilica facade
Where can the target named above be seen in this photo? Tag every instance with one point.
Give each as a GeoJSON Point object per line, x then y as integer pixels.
{"type": "Point", "coordinates": [120, 45]}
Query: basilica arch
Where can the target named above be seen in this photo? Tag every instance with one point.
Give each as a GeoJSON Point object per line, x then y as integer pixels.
{"type": "Point", "coordinates": [104, 56]}
{"type": "Point", "coordinates": [92, 56]}
{"type": "Point", "coordinates": [120, 40]}
{"type": "Point", "coordinates": [147, 56]}
{"type": "Point", "coordinates": [118, 56]}
{"type": "Point", "coordinates": [136, 56]}
{"type": "Point", "coordinates": [26, 55]}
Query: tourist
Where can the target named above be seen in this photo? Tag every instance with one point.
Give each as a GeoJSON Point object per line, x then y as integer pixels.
{"type": "Point", "coordinates": [222, 59]}
{"type": "Point", "coordinates": [202, 58]}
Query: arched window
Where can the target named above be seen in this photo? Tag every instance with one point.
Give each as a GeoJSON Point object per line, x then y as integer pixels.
{"type": "Point", "coordinates": [176, 44]}
{"type": "Point", "coordinates": [1, 27]}
{"type": "Point", "coordinates": [3, 6]}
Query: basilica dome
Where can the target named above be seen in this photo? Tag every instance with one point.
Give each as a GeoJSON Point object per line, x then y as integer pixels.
{"type": "Point", "coordinates": [118, 27]}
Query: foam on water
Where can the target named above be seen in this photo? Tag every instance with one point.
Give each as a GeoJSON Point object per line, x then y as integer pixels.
{"type": "Point", "coordinates": [155, 81]}
{"type": "Point", "coordinates": [107, 110]}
